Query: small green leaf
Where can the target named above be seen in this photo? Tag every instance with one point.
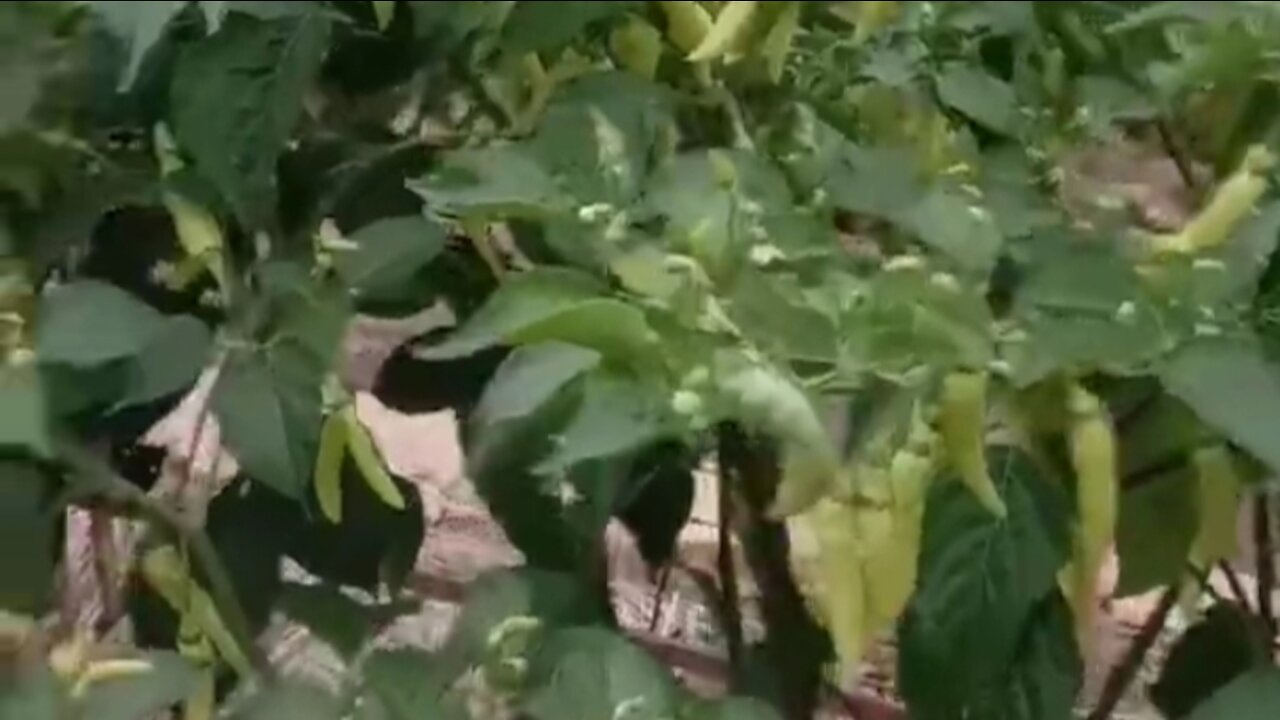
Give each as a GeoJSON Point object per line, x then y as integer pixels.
{"type": "Point", "coordinates": [1253, 696]}
{"type": "Point", "coordinates": [270, 416]}
{"type": "Point", "coordinates": [618, 414]}
{"type": "Point", "coordinates": [523, 302]}
{"type": "Point", "coordinates": [88, 323]}
{"type": "Point", "coordinates": [24, 418]}
{"type": "Point", "coordinates": [139, 25]}
{"type": "Point", "coordinates": [958, 228]}
{"type": "Point", "coordinates": [986, 100]}
{"type": "Point", "coordinates": [1232, 387]}
{"type": "Point", "coordinates": [1207, 657]}
{"type": "Point", "coordinates": [291, 701]}
{"type": "Point", "coordinates": [1155, 530]}
{"type": "Point", "coordinates": [383, 11]}
{"type": "Point", "coordinates": [980, 579]}
{"type": "Point", "coordinates": [170, 680]}
{"type": "Point", "coordinates": [236, 97]}
{"type": "Point", "coordinates": [588, 674]}
{"type": "Point", "coordinates": [391, 252]}
{"type": "Point", "coordinates": [529, 377]}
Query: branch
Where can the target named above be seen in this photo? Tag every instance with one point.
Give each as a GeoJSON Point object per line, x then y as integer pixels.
{"type": "Point", "coordinates": [1265, 551]}
{"type": "Point", "coordinates": [726, 568]}
{"type": "Point", "coordinates": [100, 482]}
{"type": "Point", "coordinates": [1180, 159]}
{"type": "Point", "coordinates": [1122, 675]}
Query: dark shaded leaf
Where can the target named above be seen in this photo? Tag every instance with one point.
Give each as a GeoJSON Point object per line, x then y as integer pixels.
{"type": "Point", "coordinates": [1045, 676]}
{"type": "Point", "coordinates": [538, 26]}
{"type": "Point", "coordinates": [87, 323]}
{"type": "Point", "coordinates": [235, 99]}
{"type": "Point", "coordinates": [1232, 387]}
{"type": "Point", "coordinates": [139, 25]}
{"type": "Point", "coordinates": [661, 498]}
{"type": "Point", "coordinates": [1156, 527]}
{"type": "Point", "coordinates": [1253, 696]}
{"type": "Point", "coordinates": [528, 378]}
{"type": "Point", "coordinates": [985, 99]}
{"type": "Point", "coordinates": [341, 621]}
{"type": "Point", "coordinates": [980, 579]}
{"type": "Point", "coordinates": [1208, 656]}
{"type": "Point", "coordinates": [27, 521]}
{"type": "Point", "coordinates": [587, 674]}
{"type": "Point", "coordinates": [169, 363]}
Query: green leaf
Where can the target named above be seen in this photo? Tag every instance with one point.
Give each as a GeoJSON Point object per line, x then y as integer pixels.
{"type": "Point", "coordinates": [342, 622]}
{"type": "Point", "coordinates": [291, 701]}
{"type": "Point", "coordinates": [403, 685]}
{"type": "Point", "coordinates": [1253, 696]}
{"type": "Point", "coordinates": [236, 97]}
{"type": "Point", "coordinates": [30, 694]}
{"type": "Point", "coordinates": [528, 378]}
{"type": "Point", "coordinates": [958, 228]}
{"type": "Point", "coordinates": [391, 252]}
{"type": "Point", "coordinates": [170, 362]}
{"type": "Point", "coordinates": [384, 11]}
{"type": "Point", "coordinates": [587, 674]}
{"type": "Point", "coordinates": [1208, 656]}
{"type": "Point", "coordinates": [531, 300]}
{"type": "Point", "coordinates": [773, 310]}
{"type": "Point", "coordinates": [618, 414]}
{"type": "Point", "coordinates": [1046, 675]}
{"type": "Point", "coordinates": [543, 25]}
{"type": "Point", "coordinates": [981, 579]}
{"type": "Point", "coordinates": [170, 680]}
{"type": "Point", "coordinates": [24, 418]}
{"type": "Point", "coordinates": [1231, 386]}
{"type": "Point", "coordinates": [27, 521]}
{"type": "Point", "coordinates": [270, 417]}
{"type": "Point", "coordinates": [1155, 530]}
{"type": "Point", "coordinates": [502, 181]}
{"type": "Point", "coordinates": [986, 100]}
{"type": "Point", "coordinates": [139, 25]}
{"type": "Point", "coordinates": [88, 323]}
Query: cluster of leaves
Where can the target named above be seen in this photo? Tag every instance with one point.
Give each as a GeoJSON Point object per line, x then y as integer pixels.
{"type": "Point", "coordinates": [776, 229]}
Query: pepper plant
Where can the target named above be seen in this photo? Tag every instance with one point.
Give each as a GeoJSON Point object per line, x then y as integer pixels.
{"type": "Point", "coordinates": [852, 252]}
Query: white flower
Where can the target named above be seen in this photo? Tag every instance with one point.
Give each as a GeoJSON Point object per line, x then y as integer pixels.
{"type": "Point", "coordinates": [904, 262]}
{"type": "Point", "coordinates": [765, 254]}
{"type": "Point", "coordinates": [945, 281]}
{"type": "Point", "coordinates": [1126, 312]}
{"type": "Point", "coordinates": [594, 212]}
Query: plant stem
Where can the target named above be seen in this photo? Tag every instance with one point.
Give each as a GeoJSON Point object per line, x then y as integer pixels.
{"type": "Point", "coordinates": [1233, 581]}
{"type": "Point", "coordinates": [727, 568]}
{"type": "Point", "coordinates": [100, 482]}
{"type": "Point", "coordinates": [1122, 675]}
{"type": "Point", "coordinates": [1180, 159]}
{"type": "Point", "coordinates": [795, 645]}
{"type": "Point", "coordinates": [1264, 550]}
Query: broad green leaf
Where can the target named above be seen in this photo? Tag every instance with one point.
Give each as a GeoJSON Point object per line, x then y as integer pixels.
{"type": "Point", "coordinates": [501, 180]}
{"type": "Point", "coordinates": [27, 521]}
{"type": "Point", "coordinates": [1044, 679]}
{"type": "Point", "coordinates": [24, 417]}
{"type": "Point", "coordinates": [338, 619]}
{"type": "Point", "coordinates": [390, 253]}
{"type": "Point", "coordinates": [1246, 255]}
{"type": "Point", "coordinates": [236, 97]}
{"type": "Point", "coordinates": [170, 680]}
{"type": "Point", "coordinates": [962, 230]}
{"type": "Point", "coordinates": [618, 414]}
{"type": "Point", "coordinates": [526, 301]}
{"type": "Point", "coordinates": [615, 329]}
{"type": "Point", "coordinates": [1232, 387]}
{"type": "Point", "coordinates": [587, 674]}
{"type": "Point", "coordinates": [1208, 656]}
{"type": "Point", "coordinates": [542, 25]}
{"type": "Point", "coordinates": [1253, 696]}
{"type": "Point", "coordinates": [88, 323]}
{"type": "Point", "coordinates": [1154, 533]}
{"type": "Point", "coordinates": [309, 318]}
{"type": "Point", "coordinates": [139, 25]}
{"type": "Point", "coordinates": [291, 701]}
{"type": "Point", "coordinates": [981, 578]}
{"type": "Point", "coordinates": [169, 363]}
{"type": "Point", "coordinates": [986, 100]}
{"type": "Point", "coordinates": [773, 310]}
{"type": "Point", "coordinates": [270, 416]}
{"type": "Point", "coordinates": [529, 377]}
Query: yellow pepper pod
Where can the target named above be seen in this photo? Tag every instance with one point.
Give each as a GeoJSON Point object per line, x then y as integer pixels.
{"type": "Point", "coordinates": [327, 477]}
{"type": "Point", "coordinates": [961, 425]}
{"type": "Point", "coordinates": [726, 34]}
{"type": "Point", "coordinates": [1218, 498]}
{"type": "Point", "coordinates": [1094, 459]}
{"type": "Point", "coordinates": [369, 461]}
